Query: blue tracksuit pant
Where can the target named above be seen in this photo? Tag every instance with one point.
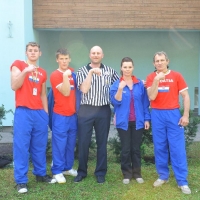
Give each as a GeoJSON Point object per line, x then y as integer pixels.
{"type": "Point", "coordinates": [64, 130]}
{"type": "Point", "coordinates": [168, 138]}
{"type": "Point", "coordinates": [30, 138]}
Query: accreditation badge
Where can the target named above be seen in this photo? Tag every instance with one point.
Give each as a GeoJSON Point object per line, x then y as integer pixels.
{"type": "Point", "coordinates": [34, 91]}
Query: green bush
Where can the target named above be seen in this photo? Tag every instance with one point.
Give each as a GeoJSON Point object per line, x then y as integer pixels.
{"type": "Point", "coordinates": [147, 139]}
{"type": "Point", "coordinates": [115, 146]}
{"type": "Point", "coordinates": [3, 113]}
{"type": "Point", "coordinates": [2, 116]}
{"type": "Point", "coordinates": [192, 128]}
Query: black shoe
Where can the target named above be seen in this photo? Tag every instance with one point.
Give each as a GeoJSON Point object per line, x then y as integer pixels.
{"type": "Point", "coordinates": [100, 179]}
{"type": "Point", "coordinates": [78, 178]}
{"type": "Point", "coordinates": [46, 179]}
{"type": "Point", "coordinates": [22, 188]}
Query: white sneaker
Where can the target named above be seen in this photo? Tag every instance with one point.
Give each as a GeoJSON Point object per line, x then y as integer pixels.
{"type": "Point", "coordinates": [140, 180]}
{"type": "Point", "coordinates": [53, 180]}
{"type": "Point", "coordinates": [60, 178]}
{"type": "Point", "coordinates": [126, 181]}
{"type": "Point", "coordinates": [22, 188]}
{"type": "Point", "coordinates": [71, 172]}
{"type": "Point", "coordinates": [185, 189]}
{"type": "Point", "coordinates": [159, 182]}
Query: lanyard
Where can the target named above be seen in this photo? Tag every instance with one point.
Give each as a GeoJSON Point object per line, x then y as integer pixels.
{"type": "Point", "coordinates": [36, 75]}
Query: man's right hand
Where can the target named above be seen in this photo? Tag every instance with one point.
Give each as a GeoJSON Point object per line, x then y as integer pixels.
{"type": "Point", "coordinates": [30, 68]}
{"type": "Point", "coordinates": [160, 76]}
{"type": "Point", "coordinates": [67, 73]}
{"type": "Point", "coordinates": [96, 71]}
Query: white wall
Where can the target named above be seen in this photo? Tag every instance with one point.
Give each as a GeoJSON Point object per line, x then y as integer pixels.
{"type": "Point", "coordinates": [19, 13]}
{"type": "Point", "coordinates": [183, 48]}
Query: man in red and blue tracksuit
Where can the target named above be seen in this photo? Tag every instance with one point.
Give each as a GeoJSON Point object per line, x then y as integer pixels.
{"type": "Point", "coordinates": [164, 87]}
{"type": "Point", "coordinates": [28, 80]}
{"type": "Point", "coordinates": [63, 118]}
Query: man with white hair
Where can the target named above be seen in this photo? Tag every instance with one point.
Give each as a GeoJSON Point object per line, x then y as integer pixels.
{"type": "Point", "coordinates": [163, 88]}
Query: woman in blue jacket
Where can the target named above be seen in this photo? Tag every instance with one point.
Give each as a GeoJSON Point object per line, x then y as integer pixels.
{"type": "Point", "coordinates": [131, 106]}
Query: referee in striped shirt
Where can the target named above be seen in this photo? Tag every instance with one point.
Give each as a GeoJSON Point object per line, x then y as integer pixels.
{"type": "Point", "coordinates": [94, 81]}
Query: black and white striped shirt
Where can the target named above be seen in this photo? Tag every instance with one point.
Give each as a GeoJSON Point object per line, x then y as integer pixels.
{"type": "Point", "coordinates": [98, 94]}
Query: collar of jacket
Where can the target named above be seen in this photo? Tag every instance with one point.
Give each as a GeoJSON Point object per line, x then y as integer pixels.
{"type": "Point", "coordinates": [135, 80]}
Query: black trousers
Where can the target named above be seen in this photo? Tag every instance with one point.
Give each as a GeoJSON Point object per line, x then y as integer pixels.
{"type": "Point", "coordinates": [89, 117]}
{"type": "Point", "coordinates": [130, 151]}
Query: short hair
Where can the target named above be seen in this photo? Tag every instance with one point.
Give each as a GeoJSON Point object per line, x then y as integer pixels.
{"type": "Point", "coordinates": [126, 59]}
{"type": "Point", "coordinates": [33, 44]}
{"type": "Point", "coordinates": [62, 51]}
{"type": "Point", "coordinates": [160, 53]}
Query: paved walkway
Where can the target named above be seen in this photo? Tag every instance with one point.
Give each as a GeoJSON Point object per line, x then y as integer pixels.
{"type": "Point", "coordinates": [7, 136]}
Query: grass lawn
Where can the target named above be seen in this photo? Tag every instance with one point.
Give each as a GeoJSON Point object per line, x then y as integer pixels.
{"type": "Point", "coordinates": [112, 189]}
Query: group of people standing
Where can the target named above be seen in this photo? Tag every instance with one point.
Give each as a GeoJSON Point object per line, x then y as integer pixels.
{"type": "Point", "coordinates": [80, 103]}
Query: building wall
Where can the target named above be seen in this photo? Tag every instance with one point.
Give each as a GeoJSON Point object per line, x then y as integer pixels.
{"type": "Point", "coordinates": [182, 48]}
{"type": "Point", "coordinates": [116, 14]}
{"type": "Point", "coordinates": [13, 41]}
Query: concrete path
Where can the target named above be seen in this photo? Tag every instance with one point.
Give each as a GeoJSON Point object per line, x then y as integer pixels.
{"type": "Point", "coordinates": [7, 136]}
